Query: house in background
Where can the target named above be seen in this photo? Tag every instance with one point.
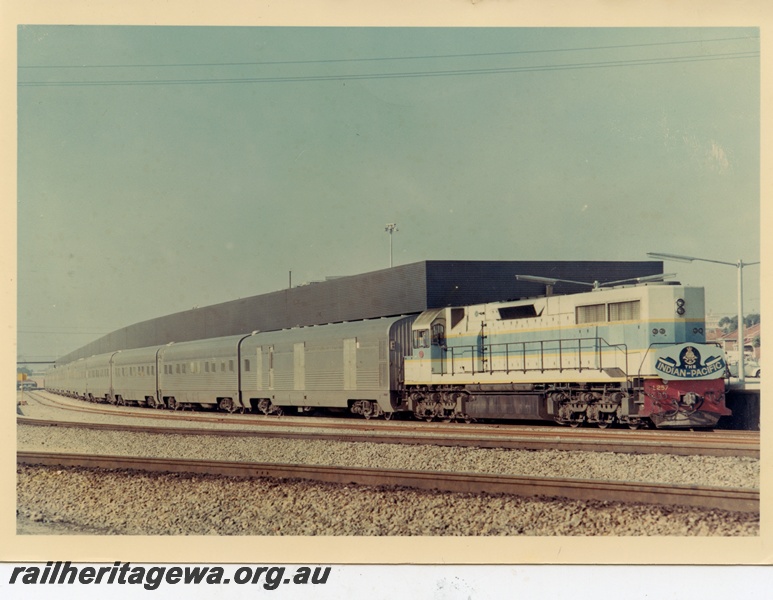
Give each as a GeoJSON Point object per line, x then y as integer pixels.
{"type": "Point", "coordinates": [729, 341]}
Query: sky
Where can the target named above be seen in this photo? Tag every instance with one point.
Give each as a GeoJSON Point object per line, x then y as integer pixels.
{"type": "Point", "coordinates": [162, 168]}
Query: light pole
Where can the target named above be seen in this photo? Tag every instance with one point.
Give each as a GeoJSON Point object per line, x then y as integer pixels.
{"type": "Point", "coordinates": [390, 229]}
{"type": "Point", "coordinates": [740, 264]}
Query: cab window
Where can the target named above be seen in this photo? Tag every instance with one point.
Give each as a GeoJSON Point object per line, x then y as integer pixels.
{"type": "Point", "coordinates": [421, 338]}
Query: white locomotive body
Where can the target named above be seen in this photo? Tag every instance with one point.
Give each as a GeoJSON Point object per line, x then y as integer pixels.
{"type": "Point", "coordinates": [575, 358]}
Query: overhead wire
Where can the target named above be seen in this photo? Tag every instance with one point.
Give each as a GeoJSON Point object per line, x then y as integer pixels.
{"type": "Point", "coordinates": [406, 74]}
{"type": "Point", "coordinates": [392, 58]}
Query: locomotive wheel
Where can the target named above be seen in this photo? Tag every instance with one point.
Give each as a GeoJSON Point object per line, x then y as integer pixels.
{"type": "Point", "coordinates": [227, 405]}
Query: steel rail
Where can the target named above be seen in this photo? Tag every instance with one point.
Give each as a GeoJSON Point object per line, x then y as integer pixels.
{"type": "Point", "coordinates": [729, 499]}
{"type": "Point", "coordinates": [534, 441]}
{"type": "Point", "coordinates": [716, 443]}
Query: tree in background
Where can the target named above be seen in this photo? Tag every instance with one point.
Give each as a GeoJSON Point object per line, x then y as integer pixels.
{"type": "Point", "coordinates": [730, 324]}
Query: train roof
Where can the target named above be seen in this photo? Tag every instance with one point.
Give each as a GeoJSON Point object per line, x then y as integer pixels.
{"type": "Point", "coordinates": [401, 290]}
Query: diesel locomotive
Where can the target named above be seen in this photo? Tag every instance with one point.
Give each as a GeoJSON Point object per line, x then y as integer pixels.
{"type": "Point", "coordinates": [631, 355]}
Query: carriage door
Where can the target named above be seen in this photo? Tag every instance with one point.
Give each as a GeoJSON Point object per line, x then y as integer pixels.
{"type": "Point", "coordinates": [350, 363]}
{"type": "Point", "coordinates": [268, 364]}
{"type": "Point", "coordinates": [438, 347]}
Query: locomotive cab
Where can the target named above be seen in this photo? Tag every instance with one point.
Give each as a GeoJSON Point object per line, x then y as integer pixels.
{"type": "Point", "coordinates": [429, 342]}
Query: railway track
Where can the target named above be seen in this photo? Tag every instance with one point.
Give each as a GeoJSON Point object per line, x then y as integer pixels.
{"type": "Point", "coordinates": [730, 499]}
{"type": "Point", "coordinates": [685, 443]}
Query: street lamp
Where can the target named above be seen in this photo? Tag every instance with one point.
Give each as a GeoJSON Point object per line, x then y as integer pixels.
{"type": "Point", "coordinates": [390, 229]}
{"type": "Point", "coordinates": [740, 264]}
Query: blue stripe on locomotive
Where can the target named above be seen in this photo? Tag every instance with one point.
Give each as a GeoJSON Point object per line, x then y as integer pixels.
{"type": "Point", "coordinates": [634, 335]}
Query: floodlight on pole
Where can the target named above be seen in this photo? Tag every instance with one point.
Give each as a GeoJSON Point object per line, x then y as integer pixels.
{"type": "Point", "coordinates": [390, 229]}
{"type": "Point", "coordinates": [739, 264]}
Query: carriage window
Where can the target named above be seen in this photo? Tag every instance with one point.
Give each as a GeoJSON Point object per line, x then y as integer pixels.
{"type": "Point", "coordinates": [593, 313]}
{"type": "Point", "coordinates": [246, 364]}
{"type": "Point", "coordinates": [231, 366]}
{"type": "Point", "coordinates": [421, 338]}
{"type": "Point", "coordinates": [624, 311]}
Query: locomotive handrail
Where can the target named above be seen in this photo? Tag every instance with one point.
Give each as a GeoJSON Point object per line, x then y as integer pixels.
{"type": "Point", "coordinates": [506, 350]}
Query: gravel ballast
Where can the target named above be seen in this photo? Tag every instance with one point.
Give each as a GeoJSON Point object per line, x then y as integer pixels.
{"type": "Point", "coordinates": [56, 500]}
{"type": "Point", "coordinates": [126, 503]}
{"type": "Point", "coordinates": [650, 468]}
{"type": "Point", "coordinates": [97, 502]}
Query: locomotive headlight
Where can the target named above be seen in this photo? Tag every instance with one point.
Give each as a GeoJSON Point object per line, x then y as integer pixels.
{"type": "Point", "coordinates": [680, 310]}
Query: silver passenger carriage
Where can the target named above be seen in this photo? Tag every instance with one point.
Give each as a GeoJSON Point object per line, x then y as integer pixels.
{"type": "Point", "coordinates": [134, 376]}
{"type": "Point", "coordinates": [355, 366]}
{"type": "Point", "coordinates": [98, 380]}
{"type": "Point", "coordinates": [203, 373]}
